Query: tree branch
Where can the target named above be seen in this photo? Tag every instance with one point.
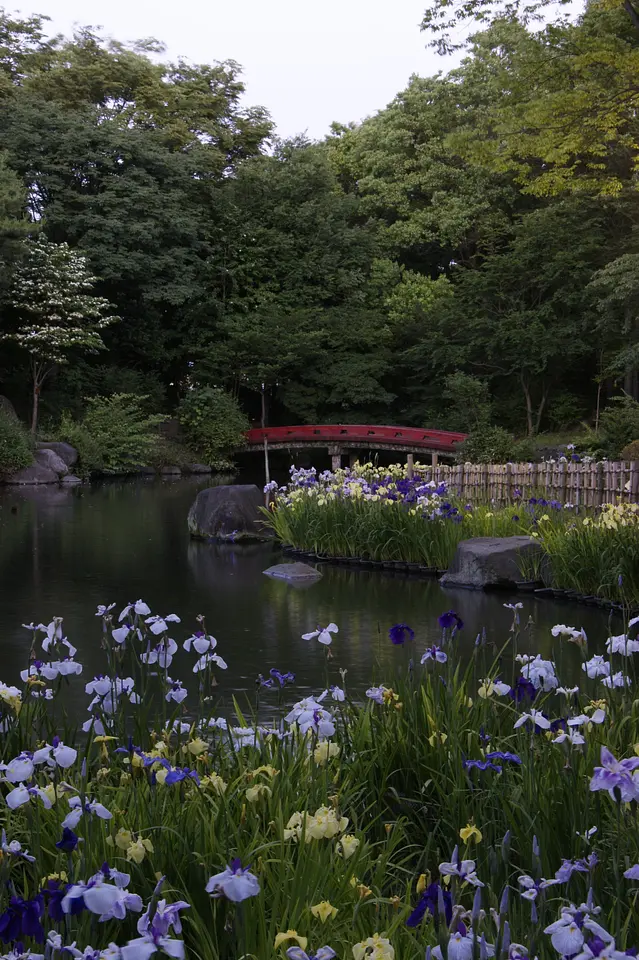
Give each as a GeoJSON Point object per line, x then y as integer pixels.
{"type": "Point", "coordinates": [632, 13]}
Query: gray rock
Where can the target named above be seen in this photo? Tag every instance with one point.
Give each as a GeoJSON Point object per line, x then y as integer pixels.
{"type": "Point", "coordinates": [71, 479]}
{"type": "Point", "coordinates": [7, 408]}
{"type": "Point", "coordinates": [36, 473]}
{"type": "Point", "coordinates": [64, 450]}
{"type": "Point", "coordinates": [293, 572]}
{"type": "Point", "coordinates": [489, 562]}
{"type": "Point", "coordinates": [169, 471]}
{"type": "Point", "coordinates": [228, 513]}
{"type": "Point", "coordinates": [196, 468]}
{"type": "Point", "coordinates": [50, 459]}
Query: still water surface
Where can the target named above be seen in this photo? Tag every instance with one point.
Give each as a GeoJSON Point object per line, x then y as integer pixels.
{"type": "Point", "coordinates": [62, 552]}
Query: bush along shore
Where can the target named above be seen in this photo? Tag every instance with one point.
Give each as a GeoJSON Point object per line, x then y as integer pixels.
{"type": "Point", "coordinates": [451, 810]}
{"type": "Point", "coordinates": [379, 516]}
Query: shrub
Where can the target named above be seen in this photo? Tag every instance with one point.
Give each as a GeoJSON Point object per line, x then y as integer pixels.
{"type": "Point", "coordinates": [487, 445]}
{"type": "Point", "coordinates": [630, 451]}
{"type": "Point", "coordinates": [115, 435]}
{"type": "Point", "coordinates": [15, 444]}
{"type": "Point", "coordinates": [469, 402]}
{"type": "Point", "coordinates": [619, 425]}
{"type": "Point", "coordinates": [213, 424]}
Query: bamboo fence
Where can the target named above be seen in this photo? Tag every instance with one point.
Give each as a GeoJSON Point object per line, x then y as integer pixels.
{"type": "Point", "coordinates": [581, 484]}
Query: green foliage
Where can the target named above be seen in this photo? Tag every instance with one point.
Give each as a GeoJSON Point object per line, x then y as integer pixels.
{"type": "Point", "coordinates": [619, 425]}
{"type": "Point", "coordinates": [15, 445]}
{"type": "Point", "coordinates": [114, 436]}
{"type": "Point", "coordinates": [487, 444]}
{"type": "Point", "coordinates": [630, 451]}
{"type": "Point", "coordinates": [469, 404]}
{"type": "Point", "coordinates": [479, 226]}
{"type": "Point", "coordinates": [57, 311]}
{"type": "Point", "coordinates": [213, 424]}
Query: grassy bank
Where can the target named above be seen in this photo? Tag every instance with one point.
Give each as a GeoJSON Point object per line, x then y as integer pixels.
{"type": "Point", "coordinates": [380, 514]}
{"type": "Point", "coordinates": [422, 813]}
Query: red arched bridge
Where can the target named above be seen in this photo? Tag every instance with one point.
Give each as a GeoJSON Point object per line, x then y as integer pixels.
{"type": "Point", "coordinates": [354, 438]}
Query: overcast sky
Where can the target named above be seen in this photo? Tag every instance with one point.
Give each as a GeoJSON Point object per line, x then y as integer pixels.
{"type": "Point", "coordinates": [307, 63]}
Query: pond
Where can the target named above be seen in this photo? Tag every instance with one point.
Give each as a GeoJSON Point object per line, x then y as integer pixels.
{"type": "Point", "coordinates": [63, 552]}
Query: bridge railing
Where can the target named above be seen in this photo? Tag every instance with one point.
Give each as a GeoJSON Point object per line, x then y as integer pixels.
{"type": "Point", "coordinates": [362, 435]}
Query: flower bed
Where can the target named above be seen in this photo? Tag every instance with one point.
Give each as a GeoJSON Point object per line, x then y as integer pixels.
{"type": "Point", "coordinates": [486, 813]}
{"type": "Point", "coordinates": [381, 515]}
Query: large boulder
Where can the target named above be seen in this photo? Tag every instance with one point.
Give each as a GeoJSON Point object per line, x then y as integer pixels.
{"type": "Point", "coordinates": [50, 459]}
{"type": "Point", "coordinates": [294, 572]}
{"type": "Point", "coordinates": [228, 513]}
{"type": "Point", "coordinates": [490, 562]}
{"type": "Point", "coordinates": [64, 450]}
{"type": "Point", "coordinates": [36, 473]}
{"type": "Point", "coordinates": [7, 408]}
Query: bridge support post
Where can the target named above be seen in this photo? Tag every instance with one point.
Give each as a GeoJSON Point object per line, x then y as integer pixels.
{"type": "Point", "coordinates": [410, 465]}
{"type": "Point", "coordinates": [434, 459]}
{"type": "Point", "coordinates": [335, 453]}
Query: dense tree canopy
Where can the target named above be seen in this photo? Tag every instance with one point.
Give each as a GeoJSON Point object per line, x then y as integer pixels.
{"type": "Point", "coordinates": [469, 252]}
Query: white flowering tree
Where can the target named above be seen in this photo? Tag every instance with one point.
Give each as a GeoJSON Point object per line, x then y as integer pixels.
{"type": "Point", "coordinates": [52, 294]}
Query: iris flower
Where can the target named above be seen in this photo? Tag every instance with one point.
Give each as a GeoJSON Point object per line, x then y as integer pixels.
{"type": "Point", "coordinates": [434, 653]}
{"type": "Point", "coordinates": [450, 620]}
{"type": "Point", "coordinates": [400, 633]}
{"type": "Point", "coordinates": [323, 634]}
{"type": "Point", "coordinates": [616, 775]}
{"type": "Point", "coordinates": [159, 625]}
{"type": "Point", "coordinates": [236, 883]}
{"type": "Point", "coordinates": [324, 953]}
{"type": "Point", "coordinates": [536, 717]}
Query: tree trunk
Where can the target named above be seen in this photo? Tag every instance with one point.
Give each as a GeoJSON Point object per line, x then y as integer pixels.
{"type": "Point", "coordinates": [540, 408]}
{"type": "Point", "coordinates": [35, 404]}
{"type": "Point", "coordinates": [529, 412]}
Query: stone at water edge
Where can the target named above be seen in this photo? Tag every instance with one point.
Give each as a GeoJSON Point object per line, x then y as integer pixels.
{"type": "Point", "coordinates": [196, 468]}
{"type": "Point", "coordinates": [490, 561]}
{"type": "Point", "coordinates": [70, 479]}
{"type": "Point", "coordinates": [169, 471]}
{"type": "Point", "coordinates": [51, 460]}
{"type": "Point", "coordinates": [293, 572]}
{"type": "Point", "coordinates": [36, 473]}
{"type": "Point", "coordinates": [230, 512]}
{"type": "Point", "coordinates": [64, 450]}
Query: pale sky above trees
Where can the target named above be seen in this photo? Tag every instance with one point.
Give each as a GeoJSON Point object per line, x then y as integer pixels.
{"type": "Point", "coordinates": [308, 64]}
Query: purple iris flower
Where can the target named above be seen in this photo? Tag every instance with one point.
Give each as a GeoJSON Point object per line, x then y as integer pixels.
{"type": "Point", "coordinates": [23, 918]}
{"type": "Point", "coordinates": [615, 776]}
{"type": "Point", "coordinates": [523, 691]}
{"type": "Point", "coordinates": [265, 682]}
{"type": "Point", "coordinates": [69, 840]}
{"type": "Point", "coordinates": [450, 620]}
{"type": "Point", "coordinates": [181, 773]}
{"type": "Point", "coordinates": [282, 678]}
{"type": "Point", "coordinates": [400, 633]}
{"type": "Point", "coordinates": [429, 900]}
{"type": "Point", "coordinates": [55, 892]}
{"type": "Point", "coordinates": [568, 867]}
{"type": "Point", "coordinates": [560, 724]}
{"type": "Point", "coordinates": [503, 755]}
{"type": "Point", "coordinates": [481, 765]}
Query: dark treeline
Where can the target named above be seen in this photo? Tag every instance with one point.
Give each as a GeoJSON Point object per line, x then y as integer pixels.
{"type": "Point", "coordinates": [468, 254]}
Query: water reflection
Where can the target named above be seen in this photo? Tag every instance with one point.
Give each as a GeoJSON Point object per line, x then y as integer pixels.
{"type": "Point", "coordinates": [64, 551]}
